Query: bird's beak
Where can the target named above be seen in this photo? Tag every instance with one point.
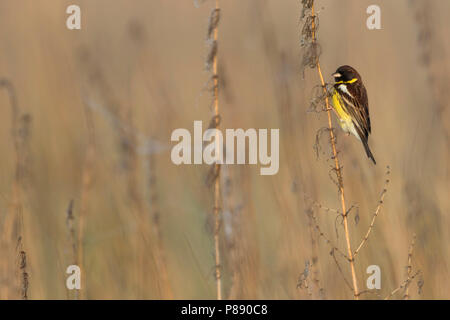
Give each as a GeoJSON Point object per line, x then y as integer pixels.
{"type": "Point", "coordinates": [337, 75]}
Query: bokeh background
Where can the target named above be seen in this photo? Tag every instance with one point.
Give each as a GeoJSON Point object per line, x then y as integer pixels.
{"type": "Point", "coordinates": [91, 126]}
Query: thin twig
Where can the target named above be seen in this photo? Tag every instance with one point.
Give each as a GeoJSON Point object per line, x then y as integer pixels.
{"type": "Point", "coordinates": [404, 284]}
{"type": "Point", "coordinates": [321, 206]}
{"type": "Point", "coordinates": [409, 268]}
{"type": "Point", "coordinates": [375, 215]}
{"type": "Point", "coordinates": [327, 240]}
{"type": "Point", "coordinates": [371, 291]}
{"type": "Point", "coordinates": [302, 282]}
{"type": "Point", "coordinates": [340, 270]}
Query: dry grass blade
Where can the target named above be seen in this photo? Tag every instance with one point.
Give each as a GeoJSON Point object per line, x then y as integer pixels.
{"type": "Point", "coordinates": [160, 256]}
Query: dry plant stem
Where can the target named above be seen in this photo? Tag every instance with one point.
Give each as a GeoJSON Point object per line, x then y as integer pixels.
{"type": "Point", "coordinates": [409, 268]}
{"type": "Point", "coordinates": [217, 180]}
{"type": "Point", "coordinates": [71, 230]}
{"type": "Point", "coordinates": [160, 257]}
{"type": "Point", "coordinates": [340, 270]}
{"type": "Point", "coordinates": [338, 170]}
{"type": "Point", "coordinates": [13, 226]}
{"type": "Point", "coordinates": [314, 257]}
{"type": "Point", "coordinates": [375, 292]}
{"type": "Point", "coordinates": [375, 215]}
{"type": "Point", "coordinates": [321, 206]}
{"type": "Point", "coordinates": [23, 270]}
{"type": "Point", "coordinates": [86, 185]}
{"type": "Point", "coordinates": [70, 224]}
{"type": "Point", "coordinates": [410, 277]}
{"type": "Point", "coordinates": [404, 284]}
{"type": "Point", "coordinates": [328, 241]}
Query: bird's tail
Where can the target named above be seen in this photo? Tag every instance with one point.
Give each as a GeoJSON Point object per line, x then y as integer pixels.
{"type": "Point", "coordinates": [369, 153]}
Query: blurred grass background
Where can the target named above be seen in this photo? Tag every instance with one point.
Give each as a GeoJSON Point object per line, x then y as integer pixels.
{"type": "Point", "coordinates": [136, 72]}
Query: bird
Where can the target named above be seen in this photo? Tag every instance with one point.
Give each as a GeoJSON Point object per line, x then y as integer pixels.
{"type": "Point", "coordinates": [351, 105]}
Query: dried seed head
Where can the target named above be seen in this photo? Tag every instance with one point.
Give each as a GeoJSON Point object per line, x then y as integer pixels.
{"type": "Point", "coordinates": [311, 54]}
{"type": "Point", "coordinates": [307, 33]}
{"type": "Point", "coordinates": [214, 122]}
{"type": "Point", "coordinates": [213, 174]}
{"type": "Point", "coordinates": [317, 147]}
{"type": "Point", "coordinates": [420, 284]}
{"type": "Point", "coordinates": [306, 6]}
{"type": "Point", "coordinates": [211, 55]}
{"type": "Point", "coordinates": [213, 22]}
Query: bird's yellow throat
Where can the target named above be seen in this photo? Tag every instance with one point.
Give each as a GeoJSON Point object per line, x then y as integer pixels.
{"type": "Point", "coordinates": [347, 82]}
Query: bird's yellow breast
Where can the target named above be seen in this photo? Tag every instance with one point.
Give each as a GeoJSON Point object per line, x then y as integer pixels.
{"type": "Point", "coordinates": [345, 120]}
{"type": "Point", "coordinates": [337, 104]}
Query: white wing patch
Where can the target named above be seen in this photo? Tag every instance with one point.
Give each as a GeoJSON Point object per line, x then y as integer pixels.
{"type": "Point", "coordinates": [343, 87]}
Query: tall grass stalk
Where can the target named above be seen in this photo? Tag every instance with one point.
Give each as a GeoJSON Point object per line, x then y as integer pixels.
{"type": "Point", "coordinates": [87, 177]}
{"type": "Point", "coordinates": [213, 178]}
{"type": "Point", "coordinates": [160, 256]}
{"type": "Point", "coordinates": [336, 164]}
{"type": "Point", "coordinates": [11, 239]}
{"type": "Point", "coordinates": [217, 197]}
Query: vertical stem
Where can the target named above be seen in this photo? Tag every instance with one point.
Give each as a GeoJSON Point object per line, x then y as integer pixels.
{"type": "Point", "coordinates": [160, 257]}
{"type": "Point", "coordinates": [13, 226]}
{"type": "Point", "coordinates": [86, 185]}
{"type": "Point", "coordinates": [409, 269]}
{"type": "Point", "coordinates": [217, 181]}
{"type": "Point", "coordinates": [337, 168]}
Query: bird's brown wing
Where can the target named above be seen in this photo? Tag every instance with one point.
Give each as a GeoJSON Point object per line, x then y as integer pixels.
{"type": "Point", "coordinates": [358, 107]}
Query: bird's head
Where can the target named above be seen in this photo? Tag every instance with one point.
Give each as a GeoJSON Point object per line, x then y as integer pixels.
{"type": "Point", "coordinates": [346, 74]}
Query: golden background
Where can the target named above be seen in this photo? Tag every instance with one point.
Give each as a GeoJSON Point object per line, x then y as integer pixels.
{"type": "Point", "coordinates": [102, 102]}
